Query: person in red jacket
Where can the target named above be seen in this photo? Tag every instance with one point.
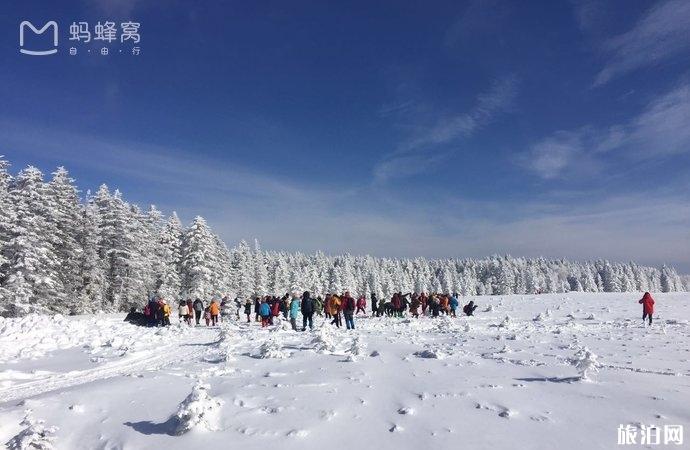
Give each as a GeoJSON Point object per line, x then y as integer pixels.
{"type": "Point", "coordinates": [361, 305]}
{"type": "Point", "coordinates": [647, 307]}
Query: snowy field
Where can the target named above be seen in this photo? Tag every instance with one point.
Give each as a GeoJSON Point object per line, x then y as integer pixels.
{"type": "Point", "coordinates": [507, 378]}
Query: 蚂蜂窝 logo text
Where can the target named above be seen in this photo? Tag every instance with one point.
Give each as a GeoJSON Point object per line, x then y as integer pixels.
{"type": "Point", "coordinates": [107, 33]}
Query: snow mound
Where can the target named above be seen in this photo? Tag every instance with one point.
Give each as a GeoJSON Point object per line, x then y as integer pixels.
{"type": "Point", "coordinates": [199, 411]}
{"type": "Point", "coordinates": [271, 348]}
{"type": "Point", "coordinates": [34, 436]}
{"type": "Point", "coordinates": [357, 349]}
{"type": "Point", "coordinates": [324, 340]}
{"type": "Point", "coordinates": [586, 363]}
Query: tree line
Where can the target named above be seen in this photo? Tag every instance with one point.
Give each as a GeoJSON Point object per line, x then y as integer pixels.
{"type": "Point", "coordinates": [64, 253]}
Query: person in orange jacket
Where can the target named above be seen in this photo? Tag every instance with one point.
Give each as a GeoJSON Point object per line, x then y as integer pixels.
{"type": "Point", "coordinates": [334, 310]}
{"type": "Point", "coordinates": [647, 303]}
{"type": "Point", "coordinates": [444, 304]}
{"type": "Point", "coordinates": [214, 309]}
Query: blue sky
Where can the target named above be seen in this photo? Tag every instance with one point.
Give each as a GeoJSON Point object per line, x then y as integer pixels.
{"type": "Point", "coordinates": [555, 128]}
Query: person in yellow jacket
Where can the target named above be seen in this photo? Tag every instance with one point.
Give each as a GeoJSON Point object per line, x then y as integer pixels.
{"type": "Point", "coordinates": [165, 308]}
{"type": "Point", "coordinates": [214, 308]}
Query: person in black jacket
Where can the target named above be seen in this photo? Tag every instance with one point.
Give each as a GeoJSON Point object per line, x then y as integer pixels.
{"type": "Point", "coordinates": [374, 305]}
{"type": "Point", "coordinates": [307, 307]}
{"type": "Point", "coordinates": [257, 309]}
{"type": "Point", "coordinates": [248, 310]}
{"type": "Point", "coordinates": [198, 306]}
{"type": "Point", "coordinates": [469, 308]}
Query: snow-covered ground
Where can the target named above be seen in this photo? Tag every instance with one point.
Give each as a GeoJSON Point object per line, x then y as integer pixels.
{"type": "Point", "coordinates": [511, 377]}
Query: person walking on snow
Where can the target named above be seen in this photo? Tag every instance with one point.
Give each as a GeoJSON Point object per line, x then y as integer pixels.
{"type": "Point", "coordinates": [257, 309]}
{"type": "Point", "coordinates": [265, 312]}
{"type": "Point", "coordinates": [165, 311]}
{"type": "Point", "coordinates": [334, 310]}
{"type": "Point", "coordinates": [190, 308]}
{"type": "Point", "coordinates": [349, 310]}
{"type": "Point", "coordinates": [275, 308]}
{"type": "Point", "coordinates": [374, 305]}
{"type": "Point", "coordinates": [294, 311]}
{"type": "Point", "coordinates": [183, 312]}
{"type": "Point", "coordinates": [327, 306]}
{"type": "Point", "coordinates": [198, 309]}
{"type": "Point", "coordinates": [285, 305]}
{"type": "Point", "coordinates": [207, 315]}
{"type": "Point", "coordinates": [248, 310]}
{"type": "Point", "coordinates": [647, 303]}
{"type": "Point", "coordinates": [453, 304]}
{"type": "Point", "coordinates": [308, 307]}
{"type": "Point", "coordinates": [215, 311]}
{"type": "Point", "coordinates": [361, 305]}
{"type": "Point", "coordinates": [238, 306]}
{"type": "Point", "coordinates": [318, 305]}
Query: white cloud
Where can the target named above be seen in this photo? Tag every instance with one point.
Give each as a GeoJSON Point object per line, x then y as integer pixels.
{"type": "Point", "coordinates": [425, 147]}
{"type": "Point", "coordinates": [497, 99]}
{"type": "Point", "coordinates": [661, 129]}
{"type": "Point", "coordinates": [659, 35]}
{"type": "Point", "coordinates": [549, 157]}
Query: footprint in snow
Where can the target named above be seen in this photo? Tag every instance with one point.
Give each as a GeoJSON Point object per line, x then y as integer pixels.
{"type": "Point", "coordinates": [327, 414]}
{"type": "Point", "coordinates": [297, 433]}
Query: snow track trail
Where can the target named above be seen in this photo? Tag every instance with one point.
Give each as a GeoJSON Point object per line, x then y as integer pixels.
{"type": "Point", "coordinates": [146, 360]}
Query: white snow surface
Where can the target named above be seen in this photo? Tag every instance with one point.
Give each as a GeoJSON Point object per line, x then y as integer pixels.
{"type": "Point", "coordinates": [549, 371]}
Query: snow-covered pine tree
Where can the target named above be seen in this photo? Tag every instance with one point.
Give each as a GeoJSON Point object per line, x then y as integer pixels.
{"type": "Point", "coordinates": [198, 260]}
{"type": "Point", "coordinates": [7, 218]}
{"type": "Point", "coordinates": [168, 270]}
{"type": "Point", "coordinates": [260, 271]}
{"type": "Point", "coordinates": [33, 282]}
{"type": "Point", "coordinates": [91, 269]}
{"type": "Point", "coordinates": [243, 267]}
{"type": "Point", "coordinates": [223, 272]}
{"type": "Point", "coordinates": [119, 248]}
{"type": "Point", "coordinates": [66, 216]}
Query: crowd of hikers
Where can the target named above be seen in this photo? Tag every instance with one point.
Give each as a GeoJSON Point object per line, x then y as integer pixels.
{"type": "Point", "coordinates": [334, 308]}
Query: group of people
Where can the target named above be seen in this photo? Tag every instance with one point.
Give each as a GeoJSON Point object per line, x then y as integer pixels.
{"type": "Point", "coordinates": [267, 307]}
{"type": "Point", "coordinates": [157, 312]}
{"type": "Point", "coordinates": [434, 305]}
{"type": "Point", "coordinates": [334, 307]}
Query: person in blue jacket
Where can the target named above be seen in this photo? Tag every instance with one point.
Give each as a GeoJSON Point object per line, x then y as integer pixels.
{"type": "Point", "coordinates": [453, 304]}
{"type": "Point", "coordinates": [294, 311]}
{"type": "Point", "coordinates": [265, 312]}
